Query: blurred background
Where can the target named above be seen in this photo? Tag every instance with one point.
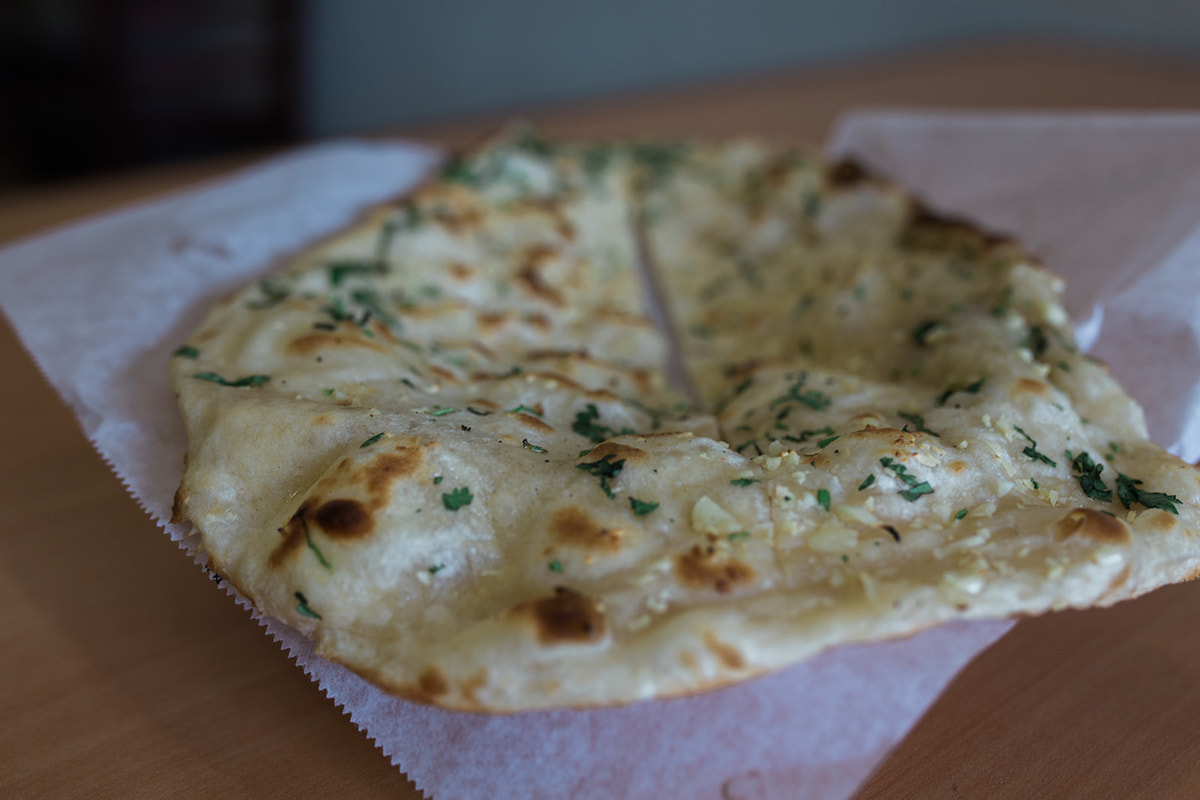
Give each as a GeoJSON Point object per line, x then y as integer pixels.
{"type": "Point", "coordinates": [90, 86]}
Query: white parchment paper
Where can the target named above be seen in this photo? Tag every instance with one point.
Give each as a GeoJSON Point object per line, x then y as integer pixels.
{"type": "Point", "coordinates": [102, 304]}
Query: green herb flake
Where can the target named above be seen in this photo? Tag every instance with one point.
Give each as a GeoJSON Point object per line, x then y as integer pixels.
{"type": "Point", "coordinates": [805, 435]}
{"type": "Point", "coordinates": [327, 392]}
{"type": "Point", "coordinates": [954, 388]}
{"type": "Point", "coordinates": [524, 410]}
{"type": "Point", "coordinates": [457, 498]}
{"type": "Point", "coordinates": [304, 608]}
{"type": "Point", "coordinates": [555, 566]}
{"type": "Point", "coordinates": [813, 398]}
{"type": "Point", "coordinates": [824, 442]}
{"type": "Point", "coordinates": [1036, 341]}
{"type": "Point", "coordinates": [439, 411]}
{"type": "Point", "coordinates": [436, 568]}
{"type": "Point", "coordinates": [918, 421]}
{"type": "Point", "coordinates": [340, 270]}
{"type": "Point", "coordinates": [585, 425]}
{"type": "Point", "coordinates": [921, 333]}
{"type": "Point", "coordinates": [733, 537]}
{"type": "Point", "coordinates": [744, 481]}
{"type": "Point", "coordinates": [752, 443]}
{"type": "Point", "coordinates": [533, 447]}
{"type": "Point", "coordinates": [187, 351]}
{"type": "Point", "coordinates": [823, 498]}
{"type": "Point", "coordinates": [604, 469]}
{"type": "Point", "coordinates": [962, 512]}
{"type": "Point", "coordinates": [250, 380]}
{"type": "Point", "coordinates": [916, 489]}
{"type": "Point", "coordinates": [273, 294]}
{"type": "Point", "coordinates": [316, 551]}
{"type": "Point", "coordinates": [867, 482]}
{"type": "Point", "coordinates": [437, 479]}
{"type": "Point", "coordinates": [1087, 472]}
{"type": "Point", "coordinates": [912, 494]}
{"type": "Point", "coordinates": [1128, 492]}
{"type": "Point", "coordinates": [371, 440]}
{"type": "Point", "coordinates": [1031, 449]}
{"type": "Point", "coordinates": [641, 507]}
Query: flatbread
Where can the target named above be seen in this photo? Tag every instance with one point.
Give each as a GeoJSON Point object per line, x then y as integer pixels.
{"type": "Point", "coordinates": [443, 446]}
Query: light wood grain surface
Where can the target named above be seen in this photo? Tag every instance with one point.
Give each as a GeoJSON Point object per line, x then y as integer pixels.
{"type": "Point", "coordinates": [123, 673]}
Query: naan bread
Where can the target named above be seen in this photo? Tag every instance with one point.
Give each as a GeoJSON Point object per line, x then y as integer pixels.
{"type": "Point", "coordinates": [442, 444]}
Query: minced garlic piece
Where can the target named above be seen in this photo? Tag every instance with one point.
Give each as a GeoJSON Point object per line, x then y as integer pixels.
{"type": "Point", "coordinates": [709, 517]}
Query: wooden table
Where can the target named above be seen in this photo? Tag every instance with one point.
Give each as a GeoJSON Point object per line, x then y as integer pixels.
{"type": "Point", "coordinates": [124, 673]}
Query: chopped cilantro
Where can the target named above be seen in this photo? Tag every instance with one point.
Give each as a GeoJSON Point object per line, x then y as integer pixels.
{"type": "Point", "coordinates": [313, 547]}
{"type": "Point", "coordinates": [436, 568]}
{"type": "Point", "coordinates": [585, 425]}
{"type": "Point", "coordinates": [524, 409]}
{"type": "Point", "coordinates": [1114, 450]}
{"type": "Point", "coordinates": [456, 170]}
{"type": "Point", "coordinates": [440, 411]}
{"type": "Point", "coordinates": [604, 469]}
{"type": "Point", "coordinates": [744, 481]}
{"type": "Point", "coordinates": [916, 489]}
{"type": "Point", "coordinates": [1036, 341]}
{"type": "Point", "coordinates": [828, 441]}
{"type": "Point", "coordinates": [555, 566]}
{"type": "Point", "coordinates": [733, 537]}
{"type": "Point", "coordinates": [187, 351]}
{"type": "Point", "coordinates": [918, 421]}
{"type": "Point", "coordinates": [921, 488]}
{"type": "Point", "coordinates": [304, 608]}
{"type": "Point", "coordinates": [535, 448]}
{"type": "Point", "coordinates": [813, 398]}
{"type": "Point", "coordinates": [804, 435]}
{"type": "Point", "coordinates": [962, 512]}
{"type": "Point", "coordinates": [372, 440]}
{"type": "Point", "coordinates": [657, 159]}
{"type": "Point", "coordinates": [371, 301]}
{"type": "Point", "coordinates": [641, 507]}
{"type": "Point", "coordinates": [867, 482]}
{"type": "Point", "coordinates": [823, 498]}
{"type": "Point", "coordinates": [1087, 473]}
{"type": "Point", "coordinates": [970, 388]}
{"type": "Point", "coordinates": [1128, 492]}
{"type": "Point", "coordinates": [340, 270]}
{"type": "Point", "coordinates": [327, 392]}
{"type": "Point", "coordinates": [249, 380]}
{"type": "Point", "coordinates": [1031, 449]}
{"type": "Point", "coordinates": [921, 333]}
{"type": "Point", "coordinates": [457, 498]}
{"type": "Point", "coordinates": [437, 479]}
{"type": "Point", "coordinates": [273, 294]}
